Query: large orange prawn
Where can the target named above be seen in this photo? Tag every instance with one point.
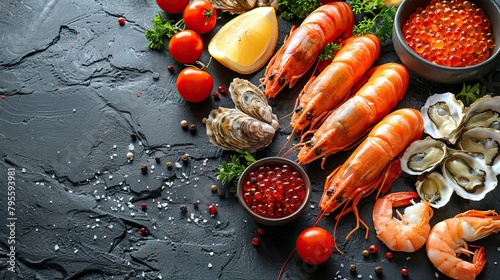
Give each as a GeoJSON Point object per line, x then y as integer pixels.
{"type": "Point", "coordinates": [334, 83]}
{"type": "Point", "coordinates": [304, 44]}
{"type": "Point", "coordinates": [366, 169]}
{"type": "Point", "coordinates": [348, 123]}
{"type": "Point", "coordinates": [448, 239]}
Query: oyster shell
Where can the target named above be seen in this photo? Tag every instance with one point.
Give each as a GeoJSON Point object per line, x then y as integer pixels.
{"type": "Point", "coordinates": [443, 116]}
{"type": "Point", "coordinates": [483, 141]}
{"type": "Point", "coordinates": [250, 99]}
{"type": "Point", "coordinates": [434, 188]}
{"type": "Point", "coordinates": [231, 129]}
{"type": "Point", "coordinates": [484, 112]}
{"type": "Point", "coordinates": [241, 6]}
{"type": "Point", "coordinates": [423, 156]}
{"type": "Point", "coordinates": [468, 175]}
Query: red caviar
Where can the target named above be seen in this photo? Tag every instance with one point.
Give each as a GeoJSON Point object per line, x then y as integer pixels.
{"type": "Point", "coordinates": [453, 33]}
{"type": "Point", "coordinates": [274, 191]}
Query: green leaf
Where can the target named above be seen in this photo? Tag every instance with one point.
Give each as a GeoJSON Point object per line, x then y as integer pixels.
{"type": "Point", "coordinates": [231, 171]}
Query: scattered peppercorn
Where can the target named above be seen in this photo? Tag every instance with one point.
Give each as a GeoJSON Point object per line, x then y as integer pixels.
{"type": "Point", "coordinates": [366, 253]}
{"type": "Point", "coordinates": [144, 169]}
{"type": "Point", "coordinates": [183, 208]}
{"type": "Point", "coordinates": [169, 165]}
{"type": "Point", "coordinates": [157, 159]}
{"type": "Point", "coordinates": [222, 89]}
{"type": "Point", "coordinates": [185, 158]}
{"type": "Point", "coordinates": [144, 206]}
{"type": "Point", "coordinates": [196, 204]}
{"type": "Point", "coordinates": [171, 69]}
{"type": "Point", "coordinates": [212, 209]}
{"type": "Point", "coordinates": [130, 155]}
{"type": "Point", "coordinates": [388, 255]}
{"type": "Point", "coordinates": [404, 272]}
{"type": "Point", "coordinates": [121, 21]}
{"type": "Point", "coordinates": [156, 76]}
{"type": "Point", "coordinates": [255, 241]}
{"type": "Point", "coordinates": [133, 136]}
{"type": "Point", "coordinates": [213, 188]}
{"type": "Point", "coordinates": [352, 267]}
{"type": "Point", "coordinates": [184, 123]}
{"type": "Point", "coordinates": [260, 231]}
{"type": "Point", "coordinates": [373, 249]}
{"type": "Point", "coordinates": [192, 128]}
{"type": "Point", "coordinates": [379, 270]}
{"type": "Point", "coordinates": [215, 95]}
{"type": "Point", "coordinates": [204, 120]}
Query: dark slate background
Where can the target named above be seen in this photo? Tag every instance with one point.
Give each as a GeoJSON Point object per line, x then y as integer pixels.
{"type": "Point", "coordinates": [76, 86]}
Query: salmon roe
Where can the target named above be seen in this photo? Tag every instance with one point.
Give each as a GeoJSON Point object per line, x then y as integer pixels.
{"type": "Point", "coordinates": [274, 191]}
{"type": "Point", "coordinates": [453, 33]}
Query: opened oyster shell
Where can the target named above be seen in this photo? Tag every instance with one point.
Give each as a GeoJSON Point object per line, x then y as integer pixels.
{"type": "Point", "coordinates": [483, 141]}
{"type": "Point", "coordinates": [250, 99]}
{"type": "Point", "coordinates": [423, 156]}
{"type": "Point", "coordinates": [443, 116]}
{"type": "Point", "coordinates": [231, 129]}
{"type": "Point", "coordinates": [468, 175]}
{"type": "Point", "coordinates": [241, 6]}
{"type": "Point", "coordinates": [434, 188]}
{"type": "Point", "coordinates": [484, 112]}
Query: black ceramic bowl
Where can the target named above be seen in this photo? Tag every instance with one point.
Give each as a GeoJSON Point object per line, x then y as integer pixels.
{"type": "Point", "coordinates": [280, 200]}
{"type": "Point", "coordinates": [435, 72]}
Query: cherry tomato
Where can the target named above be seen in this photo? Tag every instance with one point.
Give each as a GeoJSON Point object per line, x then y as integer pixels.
{"type": "Point", "coordinates": [172, 6]}
{"type": "Point", "coordinates": [186, 46]}
{"type": "Point", "coordinates": [200, 16]}
{"type": "Point", "coordinates": [315, 245]}
{"type": "Point", "coordinates": [194, 85]}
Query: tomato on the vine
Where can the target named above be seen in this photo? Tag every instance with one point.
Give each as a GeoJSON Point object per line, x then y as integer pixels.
{"type": "Point", "coordinates": [172, 6]}
{"type": "Point", "coordinates": [194, 84]}
{"type": "Point", "coordinates": [200, 16]}
{"type": "Point", "coordinates": [314, 245]}
{"type": "Point", "coordinates": [186, 46]}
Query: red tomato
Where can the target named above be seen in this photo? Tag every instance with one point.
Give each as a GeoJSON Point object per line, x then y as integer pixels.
{"type": "Point", "coordinates": [186, 46]}
{"type": "Point", "coordinates": [315, 245]}
{"type": "Point", "coordinates": [194, 85]}
{"type": "Point", "coordinates": [200, 16]}
{"type": "Point", "coordinates": [172, 6]}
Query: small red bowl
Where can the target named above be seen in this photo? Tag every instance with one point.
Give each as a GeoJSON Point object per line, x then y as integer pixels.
{"type": "Point", "coordinates": [279, 199]}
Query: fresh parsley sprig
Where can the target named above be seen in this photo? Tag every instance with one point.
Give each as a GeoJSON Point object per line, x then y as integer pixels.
{"type": "Point", "coordinates": [471, 93]}
{"type": "Point", "coordinates": [378, 18]}
{"type": "Point", "coordinates": [162, 29]}
{"type": "Point", "coordinates": [297, 9]}
{"type": "Point", "coordinates": [231, 171]}
{"type": "Point", "coordinates": [329, 51]}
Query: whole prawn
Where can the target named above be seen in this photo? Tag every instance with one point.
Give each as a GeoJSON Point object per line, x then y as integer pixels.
{"type": "Point", "coordinates": [448, 239]}
{"type": "Point", "coordinates": [304, 44]}
{"type": "Point", "coordinates": [366, 169]}
{"type": "Point", "coordinates": [334, 83]}
{"type": "Point", "coordinates": [348, 123]}
{"type": "Point", "coordinates": [408, 233]}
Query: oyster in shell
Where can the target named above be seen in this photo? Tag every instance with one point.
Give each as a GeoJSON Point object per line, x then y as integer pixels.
{"type": "Point", "coordinates": [250, 99]}
{"type": "Point", "coordinates": [484, 112]}
{"type": "Point", "coordinates": [434, 188]}
{"type": "Point", "coordinates": [241, 6]}
{"type": "Point", "coordinates": [483, 141]}
{"type": "Point", "coordinates": [468, 175]}
{"type": "Point", "coordinates": [231, 129]}
{"type": "Point", "coordinates": [443, 116]}
{"type": "Point", "coordinates": [423, 156]}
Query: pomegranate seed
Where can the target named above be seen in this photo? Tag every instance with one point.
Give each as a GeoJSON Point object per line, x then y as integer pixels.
{"type": "Point", "coordinates": [260, 231]}
{"type": "Point", "coordinates": [222, 89]}
{"type": "Point", "coordinates": [171, 68]}
{"type": "Point", "coordinates": [388, 255]}
{"type": "Point", "coordinates": [404, 272]}
{"type": "Point", "coordinates": [144, 206]}
{"type": "Point", "coordinates": [255, 241]}
{"type": "Point", "coordinates": [373, 249]}
{"type": "Point", "coordinates": [121, 21]}
{"type": "Point", "coordinates": [215, 95]}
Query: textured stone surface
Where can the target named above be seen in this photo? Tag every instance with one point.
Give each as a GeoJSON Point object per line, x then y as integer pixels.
{"type": "Point", "coordinates": [76, 86]}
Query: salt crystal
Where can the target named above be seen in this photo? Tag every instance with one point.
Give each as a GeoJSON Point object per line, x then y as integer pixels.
{"type": "Point", "coordinates": [209, 265]}
{"type": "Point", "coordinates": [131, 147]}
{"type": "Point", "coordinates": [211, 253]}
{"type": "Point", "coordinates": [56, 247]}
{"type": "Point", "coordinates": [360, 276]}
{"type": "Point", "coordinates": [436, 274]}
{"type": "Point", "coordinates": [114, 146]}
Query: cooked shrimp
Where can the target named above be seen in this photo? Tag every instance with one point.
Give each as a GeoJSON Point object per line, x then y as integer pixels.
{"type": "Point", "coordinates": [408, 233]}
{"type": "Point", "coordinates": [448, 239]}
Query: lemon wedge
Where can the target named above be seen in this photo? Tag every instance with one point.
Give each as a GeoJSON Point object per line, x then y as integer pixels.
{"type": "Point", "coordinates": [247, 42]}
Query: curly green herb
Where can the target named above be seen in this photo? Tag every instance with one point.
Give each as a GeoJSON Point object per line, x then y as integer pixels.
{"type": "Point", "coordinates": [231, 171]}
{"type": "Point", "coordinates": [469, 93]}
{"type": "Point", "coordinates": [329, 51]}
{"type": "Point", "coordinates": [297, 9]}
{"type": "Point", "coordinates": [378, 19]}
{"type": "Point", "coordinates": [163, 29]}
